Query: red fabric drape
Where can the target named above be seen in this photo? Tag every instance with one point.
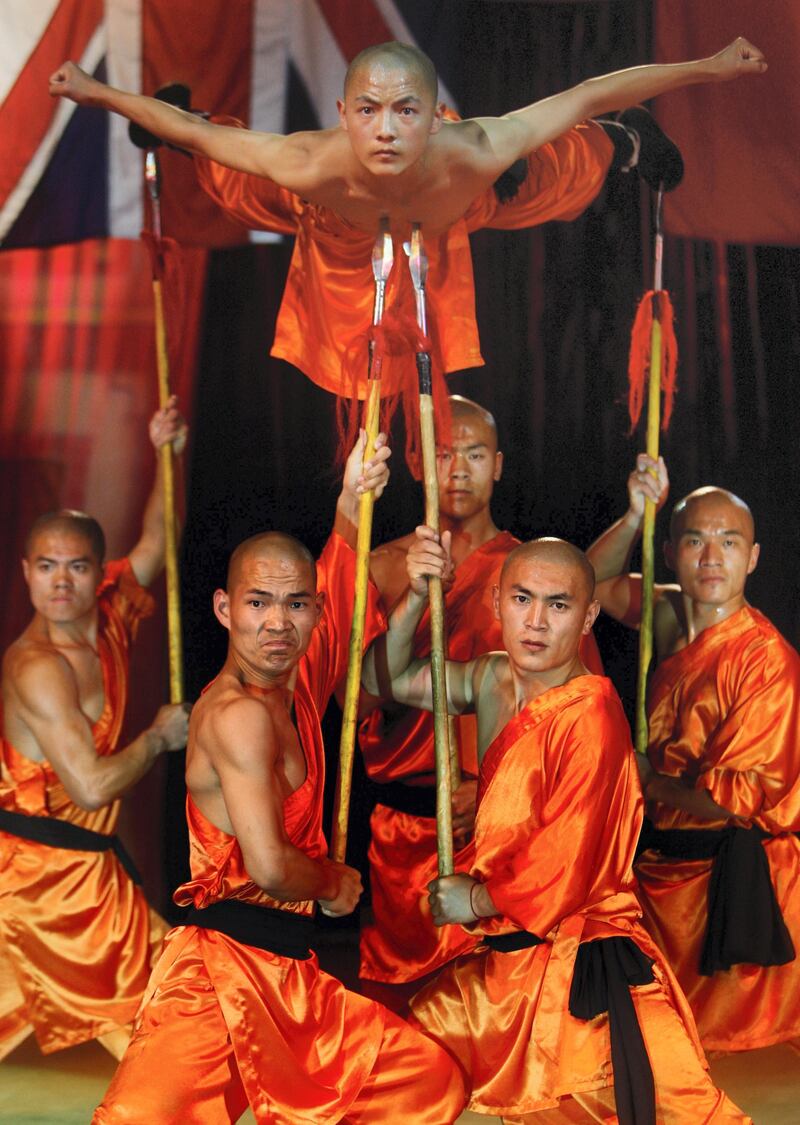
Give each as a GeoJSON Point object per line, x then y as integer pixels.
{"type": "Point", "coordinates": [738, 139]}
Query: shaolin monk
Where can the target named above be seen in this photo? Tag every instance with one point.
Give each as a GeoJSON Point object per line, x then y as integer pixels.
{"type": "Point", "coordinates": [401, 946]}
{"type": "Point", "coordinates": [719, 874]}
{"type": "Point", "coordinates": [238, 1010]}
{"type": "Point", "coordinates": [77, 938]}
{"type": "Point", "coordinates": [394, 154]}
{"type": "Point", "coordinates": [567, 1008]}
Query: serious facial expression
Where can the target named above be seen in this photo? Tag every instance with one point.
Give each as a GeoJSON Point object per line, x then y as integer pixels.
{"type": "Point", "coordinates": [388, 114]}
{"type": "Point", "coordinates": [63, 574]}
{"type": "Point", "coordinates": [714, 551]}
{"type": "Point", "coordinates": [544, 610]}
{"type": "Point", "coordinates": [271, 613]}
{"type": "Point", "coordinates": [468, 468]}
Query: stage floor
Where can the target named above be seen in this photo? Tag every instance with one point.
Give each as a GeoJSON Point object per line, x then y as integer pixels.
{"type": "Point", "coordinates": [64, 1088]}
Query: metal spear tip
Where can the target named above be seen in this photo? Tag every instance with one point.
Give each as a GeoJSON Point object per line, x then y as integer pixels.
{"type": "Point", "coordinates": [417, 258]}
{"type": "Point", "coordinates": [382, 251]}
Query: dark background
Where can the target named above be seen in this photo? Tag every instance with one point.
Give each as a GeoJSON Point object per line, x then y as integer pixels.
{"type": "Point", "coordinates": [555, 306]}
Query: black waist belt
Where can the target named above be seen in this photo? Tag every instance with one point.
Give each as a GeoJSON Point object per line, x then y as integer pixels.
{"type": "Point", "coordinates": [418, 800]}
{"type": "Point", "coordinates": [602, 978]}
{"type": "Point", "coordinates": [745, 924]}
{"type": "Point", "coordinates": [61, 834]}
{"type": "Point", "coordinates": [277, 931]}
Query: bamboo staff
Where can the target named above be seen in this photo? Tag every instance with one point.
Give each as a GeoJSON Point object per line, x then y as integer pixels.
{"type": "Point", "coordinates": [153, 181]}
{"type": "Point", "coordinates": [418, 263]}
{"type": "Point", "coordinates": [648, 526]}
{"type": "Point", "coordinates": [382, 259]}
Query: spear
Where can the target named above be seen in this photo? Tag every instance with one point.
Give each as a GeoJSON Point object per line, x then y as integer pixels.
{"type": "Point", "coordinates": [661, 351]}
{"type": "Point", "coordinates": [153, 181]}
{"type": "Point", "coordinates": [382, 259]}
{"type": "Point", "coordinates": [418, 264]}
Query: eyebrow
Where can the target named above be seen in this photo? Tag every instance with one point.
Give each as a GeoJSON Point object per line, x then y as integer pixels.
{"type": "Point", "coordinates": [78, 558]}
{"type": "Point", "coordinates": [467, 448]}
{"type": "Point", "coordinates": [398, 101]}
{"type": "Point", "coordinates": [697, 531]}
{"type": "Point", "coordinates": [562, 597]}
{"type": "Point", "coordinates": [269, 594]}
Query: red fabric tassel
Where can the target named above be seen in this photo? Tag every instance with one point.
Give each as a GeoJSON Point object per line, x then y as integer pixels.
{"type": "Point", "coordinates": [398, 335]}
{"type": "Point", "coordinates": [660, 305]}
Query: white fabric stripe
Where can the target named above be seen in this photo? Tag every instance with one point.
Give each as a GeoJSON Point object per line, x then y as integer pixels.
{"type": "Point", "coordinates": [125, 161]}
{"type": "Point", "coordinates": [401, 32]}
{"type": "Point", "coordinates": [22, 25]}
{"type": "Point", "coordinates": [35, 169]}
{"type": "Point", "coordinates": [268, 79]}
{"type": "Point", "coordinates": [318, 59]}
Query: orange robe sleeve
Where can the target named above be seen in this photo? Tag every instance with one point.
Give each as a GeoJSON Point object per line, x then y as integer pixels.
{"type": "Point", "coordinates": [558, 818]}
{"type": "Point", "coordinates": [724, 717]}
{"type": "Point", "coordinates": [77, 935]}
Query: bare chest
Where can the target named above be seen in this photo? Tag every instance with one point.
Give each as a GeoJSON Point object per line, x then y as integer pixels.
{"type": "Point", "coordinates": [88, 672]}
{"type": "Point", "coordinates": [436, 207]}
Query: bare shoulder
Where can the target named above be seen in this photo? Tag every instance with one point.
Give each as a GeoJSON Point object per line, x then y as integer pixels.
{"type": "Point", "coordinates": [33, 668]}
{"type": "Point", "coordinates": [234, 726]}
{"type": "Point", "coordinates": [668, 625]}
{"type": "Point", "coordinates": [388, 567]}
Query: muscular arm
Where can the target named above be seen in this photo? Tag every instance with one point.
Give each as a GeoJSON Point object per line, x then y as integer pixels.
{"type": "Point", "coordinates": [507, 138]}
{"type": "Point", "coordinates": [248, 761]}
{"type": "Point", "coordinates": [672, 792]}
{"type": "Point", "coordinates": [49, 706]}
{"type": "Point", "coordinates": [285, 160]}
{"type": "Point", "coordinates": [147, 557]}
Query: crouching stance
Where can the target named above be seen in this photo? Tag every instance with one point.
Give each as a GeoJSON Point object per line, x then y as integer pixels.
{"type": "Point", "coordinates": [567, 1009]}
{"type": "Point", "coordinates": [237, 1009]}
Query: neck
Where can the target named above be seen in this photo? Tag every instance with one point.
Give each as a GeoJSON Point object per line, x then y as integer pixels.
{"type": "Point", "coordinates": [701, 616]}
{"type": "Point", "coordinates": [469, 534]}
{"type": "Point", "coordinates": [280, 684]}
{"type": "Point", "coordinates": [76, 634]}
{"type": "Point", "coordinates": [531, 685]}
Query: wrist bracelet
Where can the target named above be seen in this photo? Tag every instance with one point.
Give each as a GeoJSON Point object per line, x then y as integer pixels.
{"type": "Point", "coordinates": [472, 908]}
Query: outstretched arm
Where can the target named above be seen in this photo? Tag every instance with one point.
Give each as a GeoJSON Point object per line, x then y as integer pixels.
{"type": "Point", "coordinates": [282, 159]}
{"type": "Point", "coordinates": [147, 557]}
{"type": "Point", "coordinates": [507, 138]}
{"type": "Point", "coordinates": [610, 555]}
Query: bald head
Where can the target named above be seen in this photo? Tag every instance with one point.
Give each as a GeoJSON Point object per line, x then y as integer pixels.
{"type": "Point", "coordinates": [68, 521]}
{"type": "Point", "coordinates": [275, 545]}
{"type": "Point", "coordinates": [465, 410]}
{"type": "Point", "coordinates": [395, 54]}
{"type": "Point", "coordinates": [552, 552]}
{"type": "Point", "coordinates": [707, 499]}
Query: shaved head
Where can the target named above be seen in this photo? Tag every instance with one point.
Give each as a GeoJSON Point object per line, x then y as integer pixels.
{"type": "Point", "coordinates": [68, 521]}
{"type": "Point", "coordinates": [705, 498]}
{"type": "Point", "coordinates": [465, 410]}
{"type": "Point", "coordinates": [396, 54]}
{"type": "Point", "coordinates": [272, 545]}
{"type": "Point", "coordinates": [554, 552]}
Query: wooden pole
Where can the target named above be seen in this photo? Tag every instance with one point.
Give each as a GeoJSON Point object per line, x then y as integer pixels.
{"type": "Point", "coordinates": [174, 633]}
{"type": "Point", "coordinates": [382, 258]}
{"type": "Point", "coordinates": [648, 526]}
{"type": "Point", "coordinates": [444, 785]}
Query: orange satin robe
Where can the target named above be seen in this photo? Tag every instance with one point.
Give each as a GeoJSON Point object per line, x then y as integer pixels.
{"type": "Point", "coordinates": [558, 818]}
{"type": "Point", "coordinates": [224, 1024]}
{"type": "Point", "coordinates": [76, 935]}
{"type": "Point", "coordinates": [725, 716]}
{"type": "Point", "coordinates": [402, 944]}
{"type": "Point", "coordinates": [328, 299]}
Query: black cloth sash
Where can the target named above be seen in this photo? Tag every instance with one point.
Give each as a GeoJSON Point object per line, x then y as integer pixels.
{"type": "Point", "coordinates": [277, 931]}
{"type": "Point", "coordinates": [61, 834]}
{"type": "Point", "coordinates": [745, 924]}
{"type": "Point", "coordinates": [417, 800]}
{"type": "Point", "coordinates": [605, 970]}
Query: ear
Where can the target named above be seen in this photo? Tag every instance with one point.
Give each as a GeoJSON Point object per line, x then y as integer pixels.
{"type": "Point", "coordinates": [320, 604]}
{"type": "Point", "coordinates": [498, 465]}
{"type": "Point", "coordinates": [591, 616]}
{"type": "Point", "coordinates": [438, 118]}
{"type": "Point", "coordinates": [26, 570]}
{"type": "Point", "coordinates": [342, 117]}
{"type": "Point", "coordinates": [669, 554]}
{"type": "Point", "coordinates": [496, 601]}
{"type": "Point", "coordinates": [755, 552]}
{"type": "Point", "coordinates": [222, 608]}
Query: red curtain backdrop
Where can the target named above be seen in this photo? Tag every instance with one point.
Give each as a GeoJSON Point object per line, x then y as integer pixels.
{"type": "Point", "coordinates": [739, 140]}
